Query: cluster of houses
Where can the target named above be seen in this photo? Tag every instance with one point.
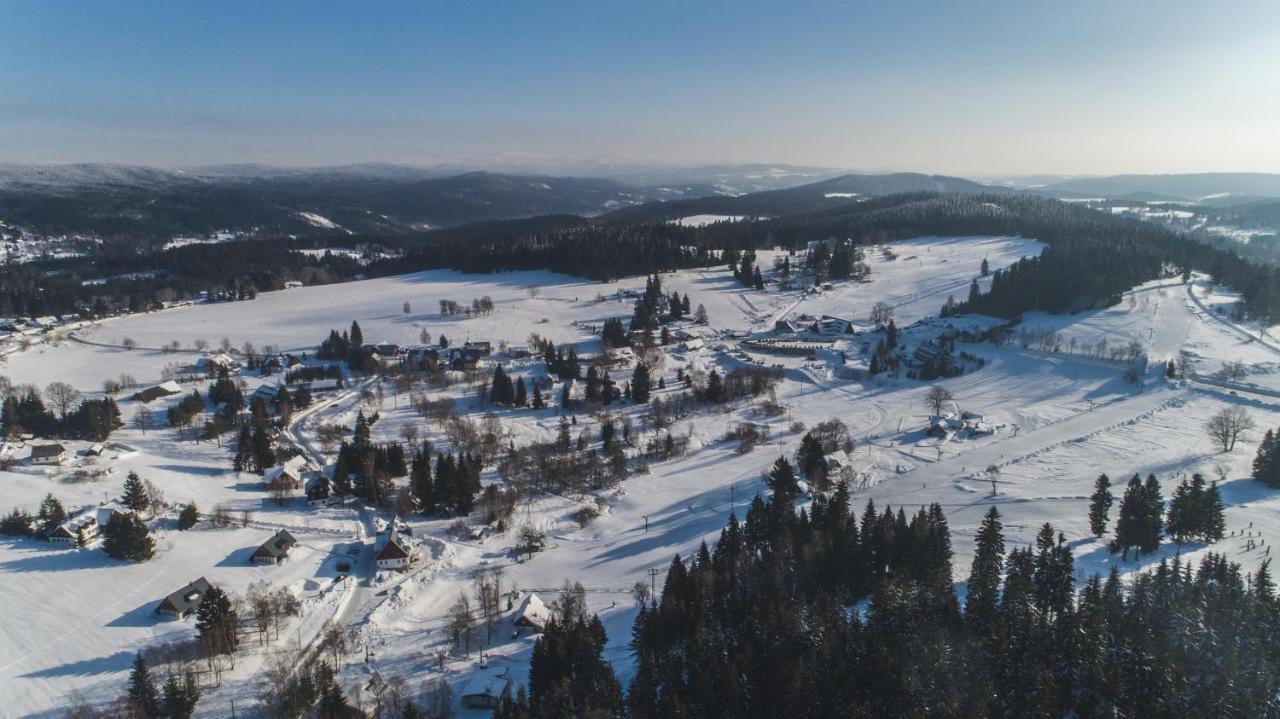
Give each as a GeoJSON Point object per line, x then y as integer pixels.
{"type": "Point", "coordinates": [468, 356]}
{"type": "Point", "coordinates": [16, 331]}
{"type": "Point", "coordinates": [949, 424]}
{"type": "Point", "coordinates": [56, 454]}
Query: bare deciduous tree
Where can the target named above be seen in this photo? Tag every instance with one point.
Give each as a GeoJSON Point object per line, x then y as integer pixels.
{"type": "Point", "coordinates": [936, 397]}
{"type": "Point", "coordinates": [881, 313]}
{"type": "Point", "coordinates": [460, 623]}
{"type": "Point", "coordinates": [62, 396]}
{"type": "Point", "coordinates": [1228, 426]}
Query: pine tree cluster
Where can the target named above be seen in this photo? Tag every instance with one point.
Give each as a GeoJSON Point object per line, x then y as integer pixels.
{"type": "Point", "coordinates": [813, 613]}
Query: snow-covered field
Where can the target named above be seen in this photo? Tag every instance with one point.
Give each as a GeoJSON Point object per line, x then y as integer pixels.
{"type": "Point", "coordinates": [1060, 417]}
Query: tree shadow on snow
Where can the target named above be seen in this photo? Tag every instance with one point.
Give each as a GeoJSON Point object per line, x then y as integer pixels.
{"type": "Point", "coordinates": [143, 615]}
{"type": "Point", "coordinates": [44, 557]}
{"type": "Point", "coordinates": [109, 664]}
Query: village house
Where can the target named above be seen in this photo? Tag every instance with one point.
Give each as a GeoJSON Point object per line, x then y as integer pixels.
{"type": "Point", "coordinates": [486, 688]}
{"type": "Point", "coordinates": [185, 601]}
{"type": "Point", "coordinates": [216, 363]}
{"type": "Point", "coordinates": [274, 550]}
{"type": "Point", "coordinates": [160, 391]}
{"type": "Point", "coordinates": [49, 454]}
{"type": "Point", "coordinates": [483, 348]}
{"type": "Point", "coordinates": [280, 362]}
{"type": "Point", "coordinates": [532, 615]}
{"type": "Point", "coordinates": [450, 358]}
{"type": "Point", "coordinates": [287, 475]}
{"type": "Point", "coordinates": [395, 552]}
{"type": "Point", "coordinates": [319, 491]}
{"type": "Point", "coordinates": [84, 527]}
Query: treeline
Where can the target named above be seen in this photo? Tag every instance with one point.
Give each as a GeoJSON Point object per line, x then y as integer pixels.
{"type": "Point", "coordinates": [123, 279]}
{"type": "Point", "coordinates": [585, 248]}
{"type": "Point", "coordinates": [814, 613]}
{"type": "Point", "coordinates": [1092, 256]}
{"type": "Point", "coordinates": [24, 411]}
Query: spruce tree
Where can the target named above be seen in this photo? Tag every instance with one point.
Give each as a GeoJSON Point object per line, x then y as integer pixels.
{"type": "Point", "coordinates": [189, 516]}
{"type": "Point", "coordinates": [180, 696]}
{"type": "Point", "coordinates": [1153, 516]}
{"type": "Point", "coordinates": [1130, 527]}
{"type": "Point", "coordinates": [1100, 505]}
{"type": "Point", "coordinates": [1182, 513]}
{"type": "Point", "coordinates": [216, 622]}
{"type": "Point", "coordinates": [264, 456]}
{"type": "Point", "coordinates": [984, 575]}
{"type": "Point", "coordinates": [135, 494]}
{"type": "Point", "coordinates": [144, 701]}
{"type": "Point", "coordinates": [126, 537]}
{"type": "Point", "coordinates": [640, 383]}
{"type": "Point", "coordinates": [1266, 463]}
{"type": "Point", "coordinates": [51, 514]}
{"type": "Point", "coordinates": [782, 480]}
{"type": "Point", "coordinates": [243, 461]}
{"type": "Point", "coordinates": [522, 394]}
{"type": "Point", "coordinates": [1214, 525]}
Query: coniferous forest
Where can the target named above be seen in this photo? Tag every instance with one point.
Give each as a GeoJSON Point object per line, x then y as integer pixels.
{"type": "Point", "coordinates": [1091, 258]}
{"type": "Point", "coordinates": [824, 613]}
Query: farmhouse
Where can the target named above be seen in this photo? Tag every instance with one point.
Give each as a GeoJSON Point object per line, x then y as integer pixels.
{"type": "Point", "coordinates": [185, 601]}
{"type": "Point", "coordinates": [483, 348]}
{"type": "Point", "coordinates": [319, 491]}
{"type": "Point", "coordinates": [265, 393]}
{"type": "Point", "coordinates": [287, 475]}
{"type": "Point", "coordinates": [280, 362]}
{"type": "Point", "coordinates": [54, 454]}
{"type": "Point", "coordinates": [160, 391]}
{"type": "Point", "coordinates": [485, 690]}
{"type": "Point", "coordinates": [85, 526]}
{"type": "Point", "coordinates": [274, 550]}
{"type": "Point", "coordinates": [213, 364]}
{"type": "Point", "coordinates": [533, 614]}
{"type": "Point", "coordinates": [395, 552]}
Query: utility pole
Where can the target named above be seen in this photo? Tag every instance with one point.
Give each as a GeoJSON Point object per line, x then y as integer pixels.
{"type": "Point", "coordinates": [653, 582]}
{"type": "Point", "coordinates": [646, 524]}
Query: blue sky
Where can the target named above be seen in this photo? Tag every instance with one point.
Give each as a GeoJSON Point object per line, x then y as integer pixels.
{"type": "Point", "coordinates": [966, 88]}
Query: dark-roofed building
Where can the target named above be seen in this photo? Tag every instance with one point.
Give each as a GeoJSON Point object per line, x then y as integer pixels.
{"type": "Point", "coordinates": [274, 550]}
{"type": "Point", "coordinates": [48, 454]}
{"type": "Point", "coordinates": [319, 490]}
{"type": "Point", "coordinates": [160, 391]}
{"type": "Point", "coordinates": [185, 601]}
{"type": "Point", "coordinates": [395, 552]}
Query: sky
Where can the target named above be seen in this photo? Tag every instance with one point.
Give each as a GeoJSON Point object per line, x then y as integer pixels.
{"type": "Point", "coordinates": [975, 88]}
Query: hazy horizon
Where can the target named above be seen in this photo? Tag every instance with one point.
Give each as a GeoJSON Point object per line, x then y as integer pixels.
{"type": "Point", "coordinates": [983, 90]}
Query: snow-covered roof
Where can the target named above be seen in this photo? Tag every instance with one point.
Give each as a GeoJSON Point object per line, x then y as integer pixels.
{"type": "Point", "coordinates": [532, 613]}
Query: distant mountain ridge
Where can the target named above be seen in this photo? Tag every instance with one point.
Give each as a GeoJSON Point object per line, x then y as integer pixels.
{"type": "Point", "coordinates": [803, 198]}
{"type": "Point", "coordinates": [1190, 187]}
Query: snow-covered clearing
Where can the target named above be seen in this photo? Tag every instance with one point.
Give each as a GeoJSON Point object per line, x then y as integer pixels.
{"type": "Point", "coordinates": [1060, 419]}
{"type": "Point", "coordinates": [702, 220]}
